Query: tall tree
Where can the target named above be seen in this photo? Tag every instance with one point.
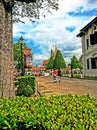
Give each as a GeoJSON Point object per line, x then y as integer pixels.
{"type": "Point", "coordinates": [80, 66]}
{"type": "Point", "coordinates": [50, 63]}
{"type": "Point", "coordinates": [75, 63]}
{"type": "Point", "coordinates": [12, 10]}
{"type": "Point", "coordinates": [59, 61]}
{"type": "Point", "coordinates": [17, 54]}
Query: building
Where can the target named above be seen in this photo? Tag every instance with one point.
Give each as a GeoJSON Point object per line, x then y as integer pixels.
{"type": "Point", "coordinates": [88, 36]}
{"type": "Point", "coordinates": [81, 59]}
{"type": "Point", "coordinates": [54, 51]}
{"type": "Point", "coordinates": [52, 54]}
{"type": "Point", "coordinates": [45, 62]}
{"type": "Point", "coordinates": [27, 58]}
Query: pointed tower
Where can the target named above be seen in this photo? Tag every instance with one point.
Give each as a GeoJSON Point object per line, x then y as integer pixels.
{"type": "Point", "coordinates": [51, 53]}
{"type": "Point", "coordinates": [55, 49]}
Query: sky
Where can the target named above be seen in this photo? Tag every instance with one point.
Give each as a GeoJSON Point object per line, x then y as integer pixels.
{"type": "Point", "coordinates": [59, 28]}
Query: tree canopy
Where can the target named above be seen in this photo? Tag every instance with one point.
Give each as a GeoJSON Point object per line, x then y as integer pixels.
{"type": "Point", "coordinates": [17, 54]}
{"type": "Point", "coordinates": [30, 8]}
{"type": "Point", "coordinates": [50, 63]}
{"type": "Point", "coordinates": [75, 63]}
{"type": "Point", "coordinates": [59, 61]}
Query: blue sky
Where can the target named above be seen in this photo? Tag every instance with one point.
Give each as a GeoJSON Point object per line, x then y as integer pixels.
{"type": "Point", "coordinates": [60, 28]}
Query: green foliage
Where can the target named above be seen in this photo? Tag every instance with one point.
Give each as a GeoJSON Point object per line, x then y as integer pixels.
{"type": "Point", "coordinates": [25, 91]}
{"type": "Point", "coordinates": [59, 61]}
{"type": "Point", "coordinates": [80, 66]}
{"type": "Point", "coordinates": [54, 113]}
{"type": "Point", "coordinates": [17, 54]}
{"type": "Point", "coordinates": [50, 63]}
{"type": "Point", "coordinates": [16, 82]}
{"type": "Point", "coordinates": [32, 9]}
{"type": "Point", "coordinates": [90, 77]}
{"type": "Point", "coordinates": [26, 85]}
{"type": "Point", "coordinates": [29, 69]}
{"type": "Point", "coordinates": [75, 63]}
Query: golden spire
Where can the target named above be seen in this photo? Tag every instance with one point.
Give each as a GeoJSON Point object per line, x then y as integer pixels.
{"type": "Point", "coordinates": [55, 51]}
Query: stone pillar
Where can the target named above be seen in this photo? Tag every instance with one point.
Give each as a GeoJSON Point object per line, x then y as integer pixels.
{"type": "Point", "coordinates": [6, 52]}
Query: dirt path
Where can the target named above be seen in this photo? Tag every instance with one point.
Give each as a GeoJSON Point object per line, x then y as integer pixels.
{"type": "Point", "coordinates": [47, 87]}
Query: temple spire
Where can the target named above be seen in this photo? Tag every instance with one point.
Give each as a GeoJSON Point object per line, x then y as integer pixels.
{"type": "Point", "coordinates": [54, 50]}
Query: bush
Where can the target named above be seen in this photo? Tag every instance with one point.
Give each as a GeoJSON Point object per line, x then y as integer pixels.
{"type": "Point", "coordinates": [26, 85]}
{"type": "Point", "coordinates": [16, 83]}
{"type": "Point", "coordinates": [55, 113]}
{"type": "Point", "coordinates": [25, 91]}
{"type": "Point", "coordinates": [90, 77]}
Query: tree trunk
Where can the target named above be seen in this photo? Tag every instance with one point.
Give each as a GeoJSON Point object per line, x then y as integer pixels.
{"type": "Point", "coordinates": [6, 51]}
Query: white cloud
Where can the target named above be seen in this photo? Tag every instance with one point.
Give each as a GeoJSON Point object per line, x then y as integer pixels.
{"type": "Point", "coordinates": [52, 29]}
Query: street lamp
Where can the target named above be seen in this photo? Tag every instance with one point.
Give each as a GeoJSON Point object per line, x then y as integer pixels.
{"type": "Point", "coordinates": [71, 69]}
{"type": "Point", "coordinates": [22, 58]}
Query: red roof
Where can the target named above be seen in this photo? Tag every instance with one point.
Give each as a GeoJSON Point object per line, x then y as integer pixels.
{"type": "Point", "coordinates": [45, 62]}
{"type": "Point", "coordinates": [27, 51]}
{"type": "Point", "coordinates": [38, 68]}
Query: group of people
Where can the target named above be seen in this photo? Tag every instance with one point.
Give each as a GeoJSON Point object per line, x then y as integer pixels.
{"type": "Point", "coordinates": [56, 75]}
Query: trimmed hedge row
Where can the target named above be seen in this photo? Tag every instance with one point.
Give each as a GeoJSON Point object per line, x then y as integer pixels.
{"type": "Point", "coordinates": [54, 113]}
{"type": "Point", "coordinates": [26, 85]}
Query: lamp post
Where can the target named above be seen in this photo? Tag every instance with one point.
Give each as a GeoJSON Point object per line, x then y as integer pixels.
{"type": "Point", "coordinates": [22, 60]}
{"type": "Point", "coordinates": [71, 69]}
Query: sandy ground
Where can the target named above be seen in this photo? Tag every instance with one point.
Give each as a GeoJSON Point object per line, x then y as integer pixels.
{"type": "Point", "coordinates": [47, 87]}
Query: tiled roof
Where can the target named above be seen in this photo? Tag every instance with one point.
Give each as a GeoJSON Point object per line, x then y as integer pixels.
{"type": "Point", "coordinates": [27, 51]}
{"type": "Point", "coordinates": [45, 62]}
{"type": "Point", "coordinates": [85, 28]}
{"type": "Point", "coordinates": [38, 68]}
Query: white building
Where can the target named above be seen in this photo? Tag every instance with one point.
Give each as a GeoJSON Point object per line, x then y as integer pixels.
{"type": "Point", "coordinates": [88, 36]}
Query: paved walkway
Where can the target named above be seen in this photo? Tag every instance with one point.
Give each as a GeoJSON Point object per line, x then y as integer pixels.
{"type": "Point", "coordinates": [47, 87]}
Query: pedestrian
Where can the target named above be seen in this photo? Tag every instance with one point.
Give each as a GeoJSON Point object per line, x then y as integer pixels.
{"type": "Point", "coordinates": [54, 73]}
{"type": "Point", "coordinates": [59, 74]}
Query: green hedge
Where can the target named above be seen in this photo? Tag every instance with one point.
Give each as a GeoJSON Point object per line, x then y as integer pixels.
{"type": "Point", "coordinates": [90, 77]}
{"type": "Point", "coordinates": [26, 85]}
{"type": "Point", "coordinates": [54, 113]}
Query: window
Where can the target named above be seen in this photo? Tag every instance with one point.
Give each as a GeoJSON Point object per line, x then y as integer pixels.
{"type": "Point", "coordinates": [94, 63]}
{"type": "Point", "coordinates": [87, 43]}
{"type": "Point", "coordinates": [93, 38]}
{"type": "Point", "coordinates": [88, 64]}
{"type": "Point", "coordinates": [94, 27]}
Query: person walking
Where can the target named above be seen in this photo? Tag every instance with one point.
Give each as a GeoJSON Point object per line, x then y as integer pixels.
{"type": "Point", "coordinates": [54, 73]}
{"type": "Point", "coordinates": [59, 75]}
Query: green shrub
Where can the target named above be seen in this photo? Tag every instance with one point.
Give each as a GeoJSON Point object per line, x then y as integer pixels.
{"type": "Point", "coordinates": [55, 113]}
{"type": "Point", "coordinates": [26, 85]}
{"type": "Point", "coordinates": [16, 83]}
{"type": "Point", "coordinates": [25, 91]}
{"type": "Point", "coordinates": [76, 75]}
{"type": "Point", "coordinates": [90, 77]}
